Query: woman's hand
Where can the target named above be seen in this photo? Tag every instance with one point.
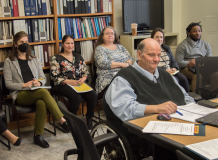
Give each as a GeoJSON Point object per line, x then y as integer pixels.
{"type": "Point", "coordinates": [82, 80]}
{"type": "Point", "coordinates": [171, 70]}
{"type": "Point", "coordinates": [73, 82]}
{"type": "Point", "coordinates": [28, 84]}
{"type": "Point", "coordinates": [129, 61]}
{"type": "Point", "coordinates": [124, 65]}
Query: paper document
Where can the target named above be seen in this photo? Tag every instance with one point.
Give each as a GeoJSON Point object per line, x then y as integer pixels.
{"type": "Point", "coordinates": [192, 111]}
{"type": "Point", "coordinates": [33, 88]}
{"type": "Point", "coordinates": [175, 72]}
{"type": "Point", "coordinates": [82, 88]}
{"type": "Point", "coordinates": [187, 116]}
{"type": "Point", "coordinates": [169, 128]}
{"type": "Point", "coordinates": [207, 149]}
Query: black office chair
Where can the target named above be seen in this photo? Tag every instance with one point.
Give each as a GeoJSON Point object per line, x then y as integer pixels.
{"type": "Point", "coordinates": [207, 77]}
{"type": "Point", "coordinates": [18, 108]}
{"type": "Point", "coordinates": [87, 148]}
{"type": "Point", "coordinates": [182, 156]}
{"type": "Point", "coordinates": [2, 116]}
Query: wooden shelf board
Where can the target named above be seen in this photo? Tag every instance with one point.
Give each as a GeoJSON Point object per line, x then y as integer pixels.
{"type": "Point", "coordinates": [83, 39]}
{"type": "Point", "coordinates": [31, 44]}
{"type": "Point", "coordinates": [84, 15]}
{"type": "Point", "coordinates": [26, 17]}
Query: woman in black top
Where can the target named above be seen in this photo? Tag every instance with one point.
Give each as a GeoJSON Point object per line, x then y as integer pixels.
{"type": "Point", "coordinates": [69, 69]}
{"type": "Point", "coordinates": [167, 61]}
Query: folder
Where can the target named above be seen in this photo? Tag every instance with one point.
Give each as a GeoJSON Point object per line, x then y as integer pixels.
{"type": "Point", "coordinates": [44, 7]}
{"type": "Point", "coordinates": [35, 30]}
{"type": "Point", "coordinates": [59, 28]}
{"type": "Point", "coordinates": [82, 88]}
{"type": "Point", "coordinates": [41, 56]}
{"type": "Point", "coordinates": [46, 55]}
{"type": "Point", "coordinates": [32, 7]}
{"type": "Point", "coordinates": [21, 8]}
{"type": "Point", "coordinates": [76, 6]}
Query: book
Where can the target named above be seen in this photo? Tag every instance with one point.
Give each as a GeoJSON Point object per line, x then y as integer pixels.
{"type": "Point", "coordinates": [82, 88]}
{"type": "Point", "coordinates": [34, 88]}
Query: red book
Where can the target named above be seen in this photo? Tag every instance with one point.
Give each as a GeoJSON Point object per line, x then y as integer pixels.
{"type": "Point", "coordinates": [15, 8]}
{"type": "Point", "coordinates": [104, 22]}
{"type": "Point", "coordinates": [102, 6]}
{"type": "Point", "coordinates": [93, 24]}
{"type": "Point", "coordinates": [78, 24]}
{"type": "Point", "coordinates": [46, 55]}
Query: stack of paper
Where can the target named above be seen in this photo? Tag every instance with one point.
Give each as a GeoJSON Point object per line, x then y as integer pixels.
{"type": "Point", "coordinates": [192, 111]}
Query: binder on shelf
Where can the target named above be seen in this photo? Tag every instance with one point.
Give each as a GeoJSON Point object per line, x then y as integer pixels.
{"type": "Point", "coordinates": [48, 5]}
{"type": "Point", "coordinates": [29, 30]}
{"type": "Point", "coordinates": [79, 6]}
{"type": "Point", "coordinates": [75, 29]}
{"type": "Point", "coordinates": [92, 6]}
{"type": "Point", "coordinates": [27, 7]}
{"type": "Point", "coordinates": [89, 6]}
{"type": "Point", "coordinates": [39, 7]}
{"type": "Point", "coordinates": [68, 7]}
{"type": "Point", "coordinates": [58, 6]}
{"type": "Point", "coordinates": [46, 55]}
{"type": "Point", "coordinates": [65, 7]}
{"type": "Point", "coordinates": [98, 6]}
{"type": "Point", "coordinates": [59, 29]}
{"type": "Point", "coordinates": [51, 29]}
{"type": "Point", "coordinates": [86, 6]}
{"type": "Point", "coordinates": [44, 7]}
{"type": "Point", "coordinates": [63, 31]}
{"type": "Point", "coordinates": [40, 54]}
{"type": "Point", "coordinates": [83, 10]}
{"type": "Point", "coordinates": [110, 6]}
{"type": "Point", "coordinates": [35, 30]}
{"type": "Point", "coordinates": [76, 6]}
{"type": "Point", "coordinates": [61, 6]}
{"type": "Point", "coordinates": [12, 10]}
{"type": "Point", "coordinates": [32, 7]}
{"type": "Point", "coordinates": [37, 10]}
{"type": "Point", "coordinates": [21, 8]}
{"type": "Point", "coordinates": [72, 7]}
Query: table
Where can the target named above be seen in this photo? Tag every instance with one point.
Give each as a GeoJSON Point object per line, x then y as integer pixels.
{"type": "Point", "coordinates": [170, 142]}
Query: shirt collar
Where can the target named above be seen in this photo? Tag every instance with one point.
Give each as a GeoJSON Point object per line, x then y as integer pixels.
{"type": "Point", "coordinates": [146, 73]}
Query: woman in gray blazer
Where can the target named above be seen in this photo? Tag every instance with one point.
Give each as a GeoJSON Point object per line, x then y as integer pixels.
{"type": "Point", "coordinates": [23, 70]}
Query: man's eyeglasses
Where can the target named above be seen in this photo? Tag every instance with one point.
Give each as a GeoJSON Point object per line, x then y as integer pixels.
{"type": "Point", "coordinates": [109, 33]}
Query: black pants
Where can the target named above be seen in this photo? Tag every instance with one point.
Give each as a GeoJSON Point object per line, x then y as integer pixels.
{"type": "Point", "coordinates": [182, 81]}
{"type": "Point", "coordinates": [76, 98]}
{"type": "Point", "coordinates": [3, 127]}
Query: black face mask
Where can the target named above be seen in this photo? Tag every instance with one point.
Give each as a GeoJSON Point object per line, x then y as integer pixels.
{"type": "Point", "coordinates": [23, 47]}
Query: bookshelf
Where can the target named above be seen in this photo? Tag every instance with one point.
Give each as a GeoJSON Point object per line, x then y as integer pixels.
{"type": "Point", "coordinates": [55, 17]}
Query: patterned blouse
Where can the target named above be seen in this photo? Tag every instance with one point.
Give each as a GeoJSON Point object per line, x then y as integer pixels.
{"type": "Point", "coordinates": [164, 60]}
{"type": "Point", "coordinates": [62, 68]}
{"type": "Point", "coordinates": [103, 59]}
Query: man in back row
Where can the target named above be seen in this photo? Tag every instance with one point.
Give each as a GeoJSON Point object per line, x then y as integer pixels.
{"type": "Point", "coordinates": [190, 48]}
{"type": "Point", "coordinates": [142, 89]}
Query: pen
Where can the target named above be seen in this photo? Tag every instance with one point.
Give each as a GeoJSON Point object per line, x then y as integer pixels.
{"type": "Point", "coordinates": [179, 113]}
{"type": "Point", "coordinates": [40, 79]}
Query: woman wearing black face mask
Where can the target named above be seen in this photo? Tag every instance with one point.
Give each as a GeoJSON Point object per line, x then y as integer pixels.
{"type": "Point", "coordinates": [21, 70]}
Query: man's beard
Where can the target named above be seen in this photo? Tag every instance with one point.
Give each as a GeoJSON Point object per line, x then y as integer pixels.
{"type": "Point", "coordinates": [194, 39]}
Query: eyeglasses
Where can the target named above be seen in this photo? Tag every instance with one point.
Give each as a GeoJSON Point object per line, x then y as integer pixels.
{"type": "Point", "coordinates": [109, 33]}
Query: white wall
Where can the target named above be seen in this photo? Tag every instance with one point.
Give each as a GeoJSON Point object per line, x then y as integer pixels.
{"type": "Point", "coordinates": [200, 10]}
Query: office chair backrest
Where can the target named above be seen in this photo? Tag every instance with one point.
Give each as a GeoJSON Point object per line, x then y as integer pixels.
{"type": "Point", "coordinates": [182, 156]}
{"type": "Point", "coordinates": [80, 133]}
{"type": "Point", "coordinates": [207, 77]}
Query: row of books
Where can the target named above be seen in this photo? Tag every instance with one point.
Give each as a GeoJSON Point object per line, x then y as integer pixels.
{"type": "Point", "coordinates": [83, 6]}
{"type": "Point", "coordinates": [85, 27]}
{"type": "Point", "coordinates": [38, 30]}
{"type": "Point", "coordinates": [18, 8]}
{"type": "Point", "coordinates": [6, 32]}
{"type": "Point", "coordinates": [43, 52]}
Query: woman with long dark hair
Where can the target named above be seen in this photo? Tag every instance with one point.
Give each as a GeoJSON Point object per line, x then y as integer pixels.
{"type": "Point", "coordinates": [23, 70]}
{"type": "Point", "coordinates": [69, 69]}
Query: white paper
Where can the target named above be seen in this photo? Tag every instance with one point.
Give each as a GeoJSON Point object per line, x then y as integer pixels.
{"type": "Point", "coordinates": [187, 116]}
{"type": "Point", "coordinates": [169, 128]}
{"type": "Point", "coordinates": [208, 149]}
{"type": "Point", "coordinates": [196, 108]}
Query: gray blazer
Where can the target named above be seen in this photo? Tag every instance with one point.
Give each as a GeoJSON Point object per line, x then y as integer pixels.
{"type": "Point", "coordinates": [13, 78]}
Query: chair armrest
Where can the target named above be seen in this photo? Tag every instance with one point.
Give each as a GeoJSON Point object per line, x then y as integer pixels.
{"type": "Point", "coordinates": [104, 139]}
{"type": "Point", "coordinates": [70, 152]}
{"type": "Point", "coordinates": [195, 96]}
